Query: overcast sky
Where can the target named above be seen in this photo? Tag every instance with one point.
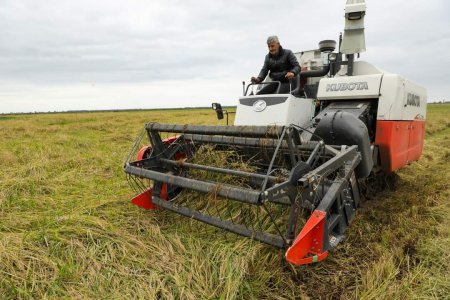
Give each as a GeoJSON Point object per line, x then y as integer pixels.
{"type": "Point", "coordinates": [60, 55]}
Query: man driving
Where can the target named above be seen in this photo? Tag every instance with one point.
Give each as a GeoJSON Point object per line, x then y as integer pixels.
{"type": "Point", "coordinates": [281, 65]}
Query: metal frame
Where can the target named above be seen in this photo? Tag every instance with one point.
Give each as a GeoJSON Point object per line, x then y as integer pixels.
{"type": "Point", "coordinates": [318, 174]}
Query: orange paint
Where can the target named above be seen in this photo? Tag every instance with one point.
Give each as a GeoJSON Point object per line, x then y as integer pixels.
{"type": "Point", "coordinates": [399, 142]}
{"type": "Point", "coordinates": [308, 246]}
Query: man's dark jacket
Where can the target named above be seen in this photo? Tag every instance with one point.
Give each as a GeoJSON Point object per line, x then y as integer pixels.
{"type": "Point", "coordinates": [278, 65]}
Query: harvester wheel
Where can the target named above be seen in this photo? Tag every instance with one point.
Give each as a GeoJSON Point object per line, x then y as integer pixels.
{"type": "Point", "coordinates": [144, 153]}
{"type": "Point", "coordinates": [168, 192]}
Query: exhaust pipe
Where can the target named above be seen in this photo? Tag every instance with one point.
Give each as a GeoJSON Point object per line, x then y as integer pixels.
{"type": "Point", "coordinates": [315, 73]}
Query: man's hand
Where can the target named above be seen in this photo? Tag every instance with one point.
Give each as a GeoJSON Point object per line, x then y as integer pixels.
{"type": "Point", "coordinates": [255, 80]}
{"type": "Point", "coordinates": [289, 75]}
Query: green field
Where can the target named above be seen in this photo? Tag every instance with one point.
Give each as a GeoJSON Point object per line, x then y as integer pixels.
{"type": "Point", "coordinates": [68, 230]}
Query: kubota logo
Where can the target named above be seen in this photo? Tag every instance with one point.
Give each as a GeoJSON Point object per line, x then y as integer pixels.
{"type": "Point", "coordinates": [259, 105]}
{"type": "Point", "coordinates": [340, 87]}
{"type": "Point", "coordinates": [413, 100]}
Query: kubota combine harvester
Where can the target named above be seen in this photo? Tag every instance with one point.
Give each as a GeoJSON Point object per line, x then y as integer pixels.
{"type": "Point", "coordinates": [341, 131]}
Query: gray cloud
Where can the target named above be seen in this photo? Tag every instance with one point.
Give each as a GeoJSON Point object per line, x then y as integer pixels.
{"type": "Point", "coordinates": [120, 45]}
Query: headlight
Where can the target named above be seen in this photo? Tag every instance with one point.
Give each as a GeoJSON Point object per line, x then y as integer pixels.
{"type": "Point", "coordinates": [332, 57]}
{"type": "Point", "coordinates": [355, 15]}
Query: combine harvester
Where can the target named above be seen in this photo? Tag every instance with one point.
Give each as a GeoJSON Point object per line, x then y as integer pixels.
{"type": "Point", "coordinates": [339, 134]}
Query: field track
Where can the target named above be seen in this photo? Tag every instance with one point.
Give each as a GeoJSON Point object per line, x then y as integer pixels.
{"type": "Point", "coordinates": [67, 229]}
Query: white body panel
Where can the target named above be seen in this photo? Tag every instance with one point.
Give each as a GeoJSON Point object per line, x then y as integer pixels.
{"type": "Point", "coordinates": [350, 87]}
{"type": "Point", "coordinates": [401, 99]}
{"type": "Point", "coordinates": [353, 40]}
{"type": "Point", "coordinates": [398, 98]}
{"type": "Point", "coordinates": [311, 60]}
{"type": "Point", "coordinates": [361, 68]}
{"type": "Point", "coordinates": [280, 109]}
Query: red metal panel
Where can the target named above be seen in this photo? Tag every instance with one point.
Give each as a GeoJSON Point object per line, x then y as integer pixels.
{"type": "Point", "coordinates": [416, 138]}
{"type": "Point", "coordinates": [308, 246]}
{"type": "Point", "coordinates": [392, 138]}
{"type": "Point", "coordinates": [143, 152]}
{"type": "Point", "coordinates": [144, 200]}
{"type": "Point", "coordinates": [400, 142]}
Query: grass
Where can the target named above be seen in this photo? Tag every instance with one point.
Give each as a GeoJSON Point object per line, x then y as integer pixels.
{"type": "Point", "coordinates": [67, 229]}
